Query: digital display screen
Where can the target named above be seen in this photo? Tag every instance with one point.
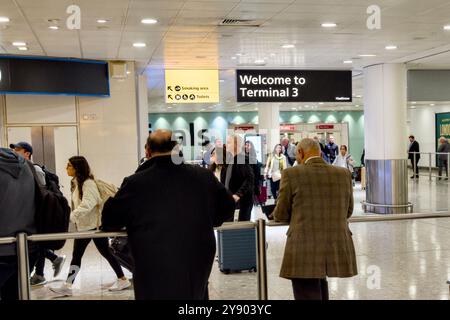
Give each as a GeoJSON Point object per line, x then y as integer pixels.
{"type": "Point", "coordinates": [36, 75]}
{"type": "Point", "coordinates": [293, 86]}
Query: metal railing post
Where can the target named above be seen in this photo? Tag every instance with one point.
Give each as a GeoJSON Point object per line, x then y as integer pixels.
{"type": "Point", "coordinates": [448, 165]}
{"type": "Point", "coordinates": [429, 171]}
{"type": "Point", "coordinates": [23, 266]}
{"type": "Point", "coordinates": [262, 259]}
{"type": "Point", "coordinates": [414, 165]}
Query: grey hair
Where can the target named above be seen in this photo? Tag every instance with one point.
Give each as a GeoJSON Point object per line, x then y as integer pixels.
{"type": "Point", "coordinates": [309, 145]}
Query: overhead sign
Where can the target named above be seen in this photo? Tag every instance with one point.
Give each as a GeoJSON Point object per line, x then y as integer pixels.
{"type": "Point", "coordinates": [287, 127]}
{"type": "Point", "coordinates": [192, 86]}
{"type": "Point", "coordinates": [442, 126]}
{"type": "Point", "coordinates": [293, 86]}
{"type": "Point", "coordinates": [53, 76]}
{"type": "Point", "coordinates": [324, 126]}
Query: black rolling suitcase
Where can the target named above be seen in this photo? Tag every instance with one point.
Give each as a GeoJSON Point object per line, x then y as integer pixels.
{"type": "Point", "coordinates": [122, 252]}
{"type": "Point", "coordinates": [236, 250]}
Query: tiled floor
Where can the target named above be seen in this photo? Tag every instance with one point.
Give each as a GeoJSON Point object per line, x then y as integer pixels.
{"type": "Point", "coordinates": [412, 256]}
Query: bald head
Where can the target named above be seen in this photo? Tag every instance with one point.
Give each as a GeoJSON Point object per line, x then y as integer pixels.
{"type": "Point", "coordinates": [160, 143]}
{"type": "Point", "coordinates": [306, 149]}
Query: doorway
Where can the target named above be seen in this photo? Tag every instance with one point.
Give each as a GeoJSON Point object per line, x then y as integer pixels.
{"type": "Point", "coordinates": [52, 147]}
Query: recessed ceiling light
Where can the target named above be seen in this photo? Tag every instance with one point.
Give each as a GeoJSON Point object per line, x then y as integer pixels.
{"type": "Point", "coordinates": [128, 72]}
{"type": "Point", "coordinates": [367, 55]}
{"type": "Point", "coordinates": [19, 44]}
{"type": "Point", "coordinates": [4, 19]}
{"type": "Point", "coordinates": [256, 109]}
{"type": "Point", "coordinates": [54, 27]}
{"type": "Point", "coordinates": [329, 25]}
{"type": "Point", "coordinates": [288, 46]}
{"type": "Point", "coordinates": [239, 54]}
{"type": "Point", "coordinates": [447, 27]}
{"type": "Point", "coordinates": [169, 107]}
{"type": "Point", "coordinates": [348, 61]}
{"type": "Point", "coordinates": [320, 103]}
{"type": "Point", "coordinates": [260, 61]}
{"type": "Point", "coordinates": [294, 109]}
{"type": "Point", "coordinates": [139, 45]}
{"type": "Point", "coordinates": [412, 107]}
{"type": "Point", "coordinates": [23, 48]}
{"type": "Point", "coordinates": [432, 104]}
{"type": "Point", "coordinates": [413, 102]}
{"type": "Point", "coordinates": [102, 21]}
{"type": "Point", "coordinates": [233, 58]}
{"type": "Point", "coordinates": [391, 47]}
{"type": "Point", "coordinates": [149, 21]}
{"type": "Point", "coordinates": [357, 105]}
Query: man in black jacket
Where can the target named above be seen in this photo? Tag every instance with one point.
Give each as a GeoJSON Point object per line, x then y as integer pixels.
{"type": "Point", "coordinates": [414, 147]}
{"type": "Point", "coordinates": [238, 178]}
{"type": "Point", "coordinates": [169, 212]}
{"type": "Point", "coordinates": [17, 211]}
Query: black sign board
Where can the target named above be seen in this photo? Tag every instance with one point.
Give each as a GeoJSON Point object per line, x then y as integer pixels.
{"type": "Point", "coordinates": [293, 86]}
{"type": "Point", "coordinates": [44, 75]}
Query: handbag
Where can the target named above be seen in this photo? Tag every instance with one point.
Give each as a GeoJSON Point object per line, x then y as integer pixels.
{"type": "Point", "coordinates": [276, 176]}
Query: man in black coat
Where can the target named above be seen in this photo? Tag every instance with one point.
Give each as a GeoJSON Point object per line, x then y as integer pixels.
{"type": "Point", "coordinates": [414, 147]}
{"type": "Point", "coordinates": [238, 178]}
{"type": "Point", "coordinates": [169, 212]}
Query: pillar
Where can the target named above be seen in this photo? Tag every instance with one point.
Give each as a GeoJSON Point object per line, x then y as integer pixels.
{"type": "Point", "coordinates": [269, 124]}
{"type": "Point", "coordinates": [386, 136]}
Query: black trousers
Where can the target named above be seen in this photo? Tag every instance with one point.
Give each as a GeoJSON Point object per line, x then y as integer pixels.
{"type": "Point", "coordinates": [9, 277]}
{"type": "Point", "coordinates": [274, 188]}
{"type": "Point", "coordinates": [40, 263]}
{"type": "Point", "coordinates": [310, 289]}
{"type": "Point", "coordinates": [79, 247]}
{"type": "Point", "coordinates": [443, 164]}
{"type": "Point", "coordinates": [415, 167]}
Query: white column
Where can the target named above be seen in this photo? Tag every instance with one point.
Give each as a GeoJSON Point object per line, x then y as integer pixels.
{"type": "Point", "coordinates": [269, 123]}
{"type": "Point", "coordinates": [142, 113]}
{"type": "Point", "coordinates": [386, 137]}
{"type": "Point", "coordinates": [385, 130]}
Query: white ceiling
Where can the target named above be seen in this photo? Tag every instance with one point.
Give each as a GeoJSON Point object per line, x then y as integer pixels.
{"type": "Point", "coordinates": [188, 35]}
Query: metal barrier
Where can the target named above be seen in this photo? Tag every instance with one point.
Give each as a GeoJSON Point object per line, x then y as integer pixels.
{"type": "Point", "coordinates": [22, 239]}
{"type": "Point", "coordinates": [430, 154]}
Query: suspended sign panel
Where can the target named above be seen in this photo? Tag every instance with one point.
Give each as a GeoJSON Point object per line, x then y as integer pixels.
{"type": "Point", "coordinates": [192, 86]}
{"type": "Point", "coordinates": [293, 86]}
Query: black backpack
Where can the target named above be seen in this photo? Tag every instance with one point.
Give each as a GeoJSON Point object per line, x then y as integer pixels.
{"type": "Point", "coordinates": [52, 209]}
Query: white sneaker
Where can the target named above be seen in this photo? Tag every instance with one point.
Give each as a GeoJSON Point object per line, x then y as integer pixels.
{"type": "Point", "coordinates": [64, 290]}
{"type": "Point", "coordinates": [120, 285]}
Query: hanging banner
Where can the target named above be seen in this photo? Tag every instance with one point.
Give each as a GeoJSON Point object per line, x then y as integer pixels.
{"type": "Point", "coordinates": [293, 86]}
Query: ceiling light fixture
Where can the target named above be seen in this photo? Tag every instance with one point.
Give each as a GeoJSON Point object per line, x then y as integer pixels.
{"type": "Point", "coordinates": [4, 19]}
{"type": "Point", "coordinates": [321, 103]}
{"type": "Point", "coordinates": [432, 104]}
{"type": "Point", "coordinates": [260, 61]}
{"type": "Point", "coordinates": [413, 102]}
{"type": "Point", "coordinates": [102, 21]}
{"type": "Point", "coordinates": [53, 27]}
{"type": "Point", "coordinates": [233, 58]}
{"type": "Point", "coordinates": [256, 109]}
{"type": "Point", "coordinates": [23, 48]}
{"type": "Point", "coordinates": [447, 27]}
{"type": "Point", "coordinates": [348, 61]}
{"type": "Point", "coordinates": [19, 44]}
{"type": "Point", "coordinates": [391, 47]}
{"type": "Point", "coordinates": [139, 45]}
{"type": "Point", "coordinates": [329, 25]}
{"type": "Point", "coordinates": [367, 55]}
{"type": "Point", "coordinates": [288, 46]}
{"type": "Point", "coordinates": [149, 21]}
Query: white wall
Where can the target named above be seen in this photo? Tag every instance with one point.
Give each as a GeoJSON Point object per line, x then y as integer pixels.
{"type": "Point", "coordinates": [421, 124]}
{"type": "Point", "coordinates": [108, 130]}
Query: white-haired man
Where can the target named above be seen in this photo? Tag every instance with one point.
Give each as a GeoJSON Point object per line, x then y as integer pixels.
{"type": "Point", "coordinates": [444, 147]}
{"type": "Point", "coordinates": [319, 241]}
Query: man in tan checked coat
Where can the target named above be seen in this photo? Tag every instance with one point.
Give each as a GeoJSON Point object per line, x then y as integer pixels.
{"type": "Point", "coordinates": [316, 199]}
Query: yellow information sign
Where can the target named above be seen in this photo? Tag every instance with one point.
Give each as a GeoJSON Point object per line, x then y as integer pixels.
{"type": "Point", "coordinates": [192, 86]}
